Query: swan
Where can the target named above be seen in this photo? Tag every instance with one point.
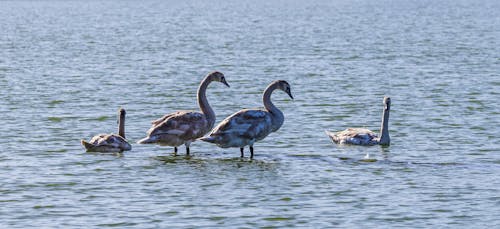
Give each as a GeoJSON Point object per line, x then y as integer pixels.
{"type": "Point", "coordinates": [361, 136]}
{"type": "Point", "coordinates": [184, 127]}
{"type": "Point", "coordinates": [248, 126]}
{"type": "Point", "coordinates": [110, 142]}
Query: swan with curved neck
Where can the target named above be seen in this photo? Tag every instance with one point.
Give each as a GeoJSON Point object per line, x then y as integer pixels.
{"type": "Point", "coordinates": [184, 127]}
{"type": "Point", "coordinates": [361, 136]}
{"type": "Point", "coordinates": [248, 126]}
{"type": "Point", "coordinates": [110, 142]}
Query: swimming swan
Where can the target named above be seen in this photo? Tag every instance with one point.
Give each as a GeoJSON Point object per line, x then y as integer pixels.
{"type": "Point", "coordinates": [109, 142]}
{"type": "Point", "coordinates": [361, 136]}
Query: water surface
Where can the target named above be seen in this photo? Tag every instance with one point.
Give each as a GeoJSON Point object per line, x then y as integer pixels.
{"type": "Point", "coordinates": [67, 66]}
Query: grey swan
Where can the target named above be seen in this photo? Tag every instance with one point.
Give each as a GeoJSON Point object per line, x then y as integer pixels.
{"type": "Point", "coordinates": [184, 127]}
{"type": "Point", "coordinates": [361, 136]}
{"type": "Point", "coordinates": [248, 126]}
{"type": "Point", "coordinates": [110, 142]}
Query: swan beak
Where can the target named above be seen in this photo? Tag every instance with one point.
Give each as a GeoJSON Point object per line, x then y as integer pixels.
{"type": "Point", "coordinates": [225, 83]}
{"type": "Point", "coordinates": [290, 94]}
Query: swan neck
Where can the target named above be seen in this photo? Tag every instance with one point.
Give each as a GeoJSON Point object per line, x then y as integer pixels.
{"type": "Point", "coordinates": [277, 115]}
{"type": "Point", "coordinates": [384, 128]}
{"type": "Point", "coordinates": [121, 125]}
{"type": "Point", "coordinates": [203, 102]}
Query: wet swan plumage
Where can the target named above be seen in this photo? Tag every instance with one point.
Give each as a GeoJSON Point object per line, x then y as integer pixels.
{"type": "Point", "coordinates": [184, 127]}
{"type": "Point", "coordinates": [109, 142]}
{"type": "Point", "coordinates": [361, 136]}
{"type": "Point", "coordinates": [248, 126]}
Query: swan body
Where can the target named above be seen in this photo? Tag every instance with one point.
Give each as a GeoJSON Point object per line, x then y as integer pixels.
{"type": "Point", "coordinates": [178, 128]}
{"type": "Point", "coordinates": [242, 128]}
{"type": "Point", "coordinates": [184, 127]}
{"type": "Point", "coordinates": [109, 142]}
{"type": "Point", "coordinates": [248, 126]}
{"type": "Point", "coordinates": [361, 136]}
{"type": "Point", "coordinates": [354, 136]}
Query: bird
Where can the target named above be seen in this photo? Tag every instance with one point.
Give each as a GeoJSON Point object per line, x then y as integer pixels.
{"type": "Point", "coordinates": [361, 136]}
{"type": "Point", "coordinates": [184, 127]}
{"type": "Point", "coordinates": [248, 126]}
{"type": "Point", "coordinates": [110, 143]}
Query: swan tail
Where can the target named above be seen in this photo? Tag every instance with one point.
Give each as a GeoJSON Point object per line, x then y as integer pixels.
{"type": "Point", "coordinates": [208, 139]}
{"type": "Point", "coordinates": [147, 140]}
{"type": "Point", "coordinates": [87, 145]}
{"type": "Point", "coordinates": [332, 136]}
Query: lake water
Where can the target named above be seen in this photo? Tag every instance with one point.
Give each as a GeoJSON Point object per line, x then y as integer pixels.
{"type": "Point", "coordinates": [67, 66]}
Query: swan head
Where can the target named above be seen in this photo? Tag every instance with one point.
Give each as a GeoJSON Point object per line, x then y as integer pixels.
{"type": "Point", "coordinates": [284, 86]}
{"type": "Point", "coordinates": [219, 77]}
{"type": "Point", "coordinates": [122, 112]}
{"type": "Point", "coordinates": [121, 115]}
{"type": "Point", "coordinates": [387, 103]}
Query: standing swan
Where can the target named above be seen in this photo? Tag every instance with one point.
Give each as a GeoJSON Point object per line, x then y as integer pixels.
{"type": "Point", "coordinates": [360, 136]}
{"type": "Point", "coordinates": [184, 127]}
{"type": "Point", "coordinates": [248, 126]}
{"type": "Point", "coordinates": [110, 142]}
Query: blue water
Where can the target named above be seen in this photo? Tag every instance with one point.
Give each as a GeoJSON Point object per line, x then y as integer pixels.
{"type": "Point", "coordinates": [67, 66]}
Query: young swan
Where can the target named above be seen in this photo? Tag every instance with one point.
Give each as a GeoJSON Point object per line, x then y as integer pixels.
{"type": "Point", "coordinates": [109, 142]}
{"type": "Point", "coordinates": [360, 136]}
{"type": "Point", "coordinates": [184, 127]}
{"type": "Point", "coordinates": [248, 126]}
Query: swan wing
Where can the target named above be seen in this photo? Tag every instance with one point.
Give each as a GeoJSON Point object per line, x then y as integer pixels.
{"type": "Point", "coordinates": [160, 120]}
{"type": "Point", "coordinates": [251, 124]}
{"type": "Point", "coordinates": [110, 141]}
{"type": "Point", "coordinates": [184, 124]}
{"type": "Point", "coordinates": [355, 136]}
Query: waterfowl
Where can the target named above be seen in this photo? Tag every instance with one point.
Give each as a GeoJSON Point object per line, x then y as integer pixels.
{"type": "Point", "coordinates": [110, 142]}
{"type": "Point", "coordinates": [184, 127]}
{"type": "Point", "coordinates": [248, 126]}
{"type": "Point", "coordinates": [361, 136]}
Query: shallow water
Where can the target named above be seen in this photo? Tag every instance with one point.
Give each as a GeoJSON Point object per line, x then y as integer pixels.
{"type": "Point", "coordinates": [67, 66]}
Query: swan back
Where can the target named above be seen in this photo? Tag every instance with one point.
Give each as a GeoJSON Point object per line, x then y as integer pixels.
{"type": "Point", "coordinates": [177, 128]}
{"type": "Point", "coordinates": [242, 128]}
{"type": "Point", "coordinates": [107, 143]}
{"type": "Point", "coordinates": [354, 136]}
